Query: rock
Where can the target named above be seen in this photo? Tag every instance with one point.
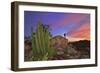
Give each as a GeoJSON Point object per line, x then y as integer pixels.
{"type": "Point", "coordinates": [59, 42]}
{"type": "Point", "coordinates": [28, 51]}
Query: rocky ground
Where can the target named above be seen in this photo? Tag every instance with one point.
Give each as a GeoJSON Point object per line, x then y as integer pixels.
{"type": "Point", "coordinates": [65, 49]}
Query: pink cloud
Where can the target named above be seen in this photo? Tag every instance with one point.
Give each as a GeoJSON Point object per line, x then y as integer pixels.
{"type": "Point", "coordinates": [83, 32]}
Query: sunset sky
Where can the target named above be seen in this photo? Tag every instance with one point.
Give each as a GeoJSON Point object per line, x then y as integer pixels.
{"type": "Point", "coordinates": [75, 25]}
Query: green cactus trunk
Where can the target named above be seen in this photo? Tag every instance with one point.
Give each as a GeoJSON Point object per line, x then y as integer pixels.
{"type": "Point", "coordinates": [41, 44]}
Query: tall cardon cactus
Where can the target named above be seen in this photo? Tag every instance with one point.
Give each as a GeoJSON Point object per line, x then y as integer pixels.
{"type": "Point", "coordinates": [42, 50]}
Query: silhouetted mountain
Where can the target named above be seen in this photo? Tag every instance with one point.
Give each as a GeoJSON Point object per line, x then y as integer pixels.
{"type": "Point", "coordinates": [82, 44]}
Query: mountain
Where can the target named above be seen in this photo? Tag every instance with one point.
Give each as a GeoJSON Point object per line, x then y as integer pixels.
{"type": "Point", "coordinates": [82, 44]}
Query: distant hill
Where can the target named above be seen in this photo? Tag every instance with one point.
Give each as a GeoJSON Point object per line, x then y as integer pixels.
{"type": "Point", "coordinates": [82, 44]}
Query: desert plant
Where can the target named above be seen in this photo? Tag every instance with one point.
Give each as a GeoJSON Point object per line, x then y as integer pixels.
{"type": "Point", "coordinates": [41, 44]}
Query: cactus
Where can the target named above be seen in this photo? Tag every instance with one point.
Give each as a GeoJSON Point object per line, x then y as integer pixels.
{"type": "Point", "coordinates": [41, 44]}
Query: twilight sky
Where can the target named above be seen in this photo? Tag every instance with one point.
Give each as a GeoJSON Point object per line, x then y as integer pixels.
{"type": "Point", "coordinates": [75, 25]}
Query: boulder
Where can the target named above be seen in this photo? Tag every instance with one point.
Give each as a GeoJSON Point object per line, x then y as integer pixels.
{"type": "Point", "coordinates": [59, 42]}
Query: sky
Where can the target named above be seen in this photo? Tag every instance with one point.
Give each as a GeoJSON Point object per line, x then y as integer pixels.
{"type": "Point", "coordinates": [75, 25]}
